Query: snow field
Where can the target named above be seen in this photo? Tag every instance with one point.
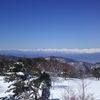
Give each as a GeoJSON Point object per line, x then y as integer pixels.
{"type": "Point", "coordinates": [63, 87]}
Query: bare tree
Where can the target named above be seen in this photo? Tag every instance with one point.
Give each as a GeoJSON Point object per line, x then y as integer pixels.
{"type": "Point", "coordinates": [81, 92]}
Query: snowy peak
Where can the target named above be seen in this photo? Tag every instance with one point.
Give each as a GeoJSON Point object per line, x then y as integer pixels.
{"type": "Point", "coordinates": [61, 59]}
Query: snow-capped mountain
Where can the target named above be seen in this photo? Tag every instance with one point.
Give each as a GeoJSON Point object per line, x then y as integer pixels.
{"type": "Point", "coordinates": [76, 64]}
{"type": "Point", "coordinates": [86, 57]}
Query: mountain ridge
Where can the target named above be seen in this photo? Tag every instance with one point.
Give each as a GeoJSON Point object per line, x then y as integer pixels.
{"type": "Point", "coordinates": [86, 66]}
{"type": "Point", "coordinates": [86, 57]}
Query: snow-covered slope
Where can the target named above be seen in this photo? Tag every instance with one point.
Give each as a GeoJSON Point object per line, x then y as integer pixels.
{"type": "Point", "coordinates": [63, 87]}
{"type": "Point", "coordinates": [3, 87]}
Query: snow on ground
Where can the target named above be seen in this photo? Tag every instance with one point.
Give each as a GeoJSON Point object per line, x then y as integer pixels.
{"type": "Point", "coordinates": [3, 87]}
{"type": "Point", "coordinates": [61, 87]}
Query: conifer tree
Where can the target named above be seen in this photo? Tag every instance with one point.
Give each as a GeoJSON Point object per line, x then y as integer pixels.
{"type": "Point", "coordinates": [96, 72]}
{"type": "Point", "coordinates": [66, 73]}
{"type": "Point", "coordinates": [28, 79]}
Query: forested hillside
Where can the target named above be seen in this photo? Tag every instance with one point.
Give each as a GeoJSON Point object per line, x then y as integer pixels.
{"type": "Point", "coordinates": [31, 78]}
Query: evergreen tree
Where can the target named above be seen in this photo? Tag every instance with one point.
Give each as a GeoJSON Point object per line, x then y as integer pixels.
{"type": "Point", "coordinates": [1, 68]}
{"type": "Point", "coordinates": [27, 79]}
{"type": "Point", "coordinates": [66, 73]}
{"type": "Point", "coordinates": [96, 72]}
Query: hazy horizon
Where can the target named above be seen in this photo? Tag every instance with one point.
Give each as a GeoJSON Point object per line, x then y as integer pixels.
{"type": "Point", "coordinates": [86, 57]}
{"type": "Point", "coordinates": [63, 50]}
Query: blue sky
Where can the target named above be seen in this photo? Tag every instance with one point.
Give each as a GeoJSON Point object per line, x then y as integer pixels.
{"type": "Point", "coordinates": [33, 24]}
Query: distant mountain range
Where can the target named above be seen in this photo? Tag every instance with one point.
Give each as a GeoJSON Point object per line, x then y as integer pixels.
{"type": "Point", "coordinates": [86, 57]}
{"type": "Point", "coordinates": [8, 57]}
{"type": "Point", "coordinates": [86, 66]}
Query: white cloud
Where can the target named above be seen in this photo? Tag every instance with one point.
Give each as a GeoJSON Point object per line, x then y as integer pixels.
{"type": "Point", "coordinates": [64, 50]}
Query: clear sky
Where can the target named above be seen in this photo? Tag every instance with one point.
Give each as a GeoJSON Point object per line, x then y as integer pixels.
{"type": "Point", "coordinates": [33, 24]}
